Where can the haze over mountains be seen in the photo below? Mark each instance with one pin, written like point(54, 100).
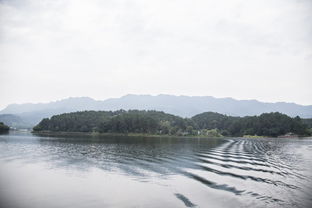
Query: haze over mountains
point(28, 115)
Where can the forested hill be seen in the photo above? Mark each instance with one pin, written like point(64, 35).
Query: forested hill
point(156, 122)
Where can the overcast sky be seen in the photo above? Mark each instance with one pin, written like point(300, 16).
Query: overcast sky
point(259, 49)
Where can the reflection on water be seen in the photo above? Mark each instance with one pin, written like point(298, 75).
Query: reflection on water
point(154, 172)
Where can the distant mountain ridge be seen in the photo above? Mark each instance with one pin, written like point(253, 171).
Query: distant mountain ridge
point(185, 106)
point(14, 121)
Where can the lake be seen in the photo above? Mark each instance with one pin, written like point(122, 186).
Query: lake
point(112, 171)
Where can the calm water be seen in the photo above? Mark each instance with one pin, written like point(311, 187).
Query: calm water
point(37, 172)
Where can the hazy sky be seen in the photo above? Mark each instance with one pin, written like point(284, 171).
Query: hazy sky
point(252, 49)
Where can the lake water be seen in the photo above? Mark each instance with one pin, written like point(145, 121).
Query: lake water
point(56, 172)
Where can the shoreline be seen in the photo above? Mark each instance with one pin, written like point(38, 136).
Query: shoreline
point(97, 134)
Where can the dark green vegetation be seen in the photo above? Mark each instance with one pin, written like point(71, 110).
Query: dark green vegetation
point(3, 127)
point(160, 123)
point(308, 123)
point(132, 121)
point(267, 124)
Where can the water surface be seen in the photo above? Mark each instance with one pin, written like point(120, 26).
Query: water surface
point(153, 172)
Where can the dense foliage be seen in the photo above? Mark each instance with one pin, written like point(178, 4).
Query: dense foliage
point(308, 122)
point(132, 121)
point(211, 120)
point(267, 124)
point(155, 122)
point(3, 127)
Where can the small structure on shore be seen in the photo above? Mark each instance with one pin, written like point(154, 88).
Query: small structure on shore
point(289, 135)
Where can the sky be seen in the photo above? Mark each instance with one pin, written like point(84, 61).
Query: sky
point(251, 49)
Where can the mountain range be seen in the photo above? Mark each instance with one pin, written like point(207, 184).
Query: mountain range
point(29, 114)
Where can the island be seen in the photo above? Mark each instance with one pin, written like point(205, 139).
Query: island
point(150, 122)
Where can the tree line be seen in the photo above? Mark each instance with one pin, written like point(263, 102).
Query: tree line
point(157, 122)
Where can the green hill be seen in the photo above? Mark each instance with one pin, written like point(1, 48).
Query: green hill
point(157, 122)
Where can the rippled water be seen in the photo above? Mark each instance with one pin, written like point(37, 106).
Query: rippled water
point(154, 172)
